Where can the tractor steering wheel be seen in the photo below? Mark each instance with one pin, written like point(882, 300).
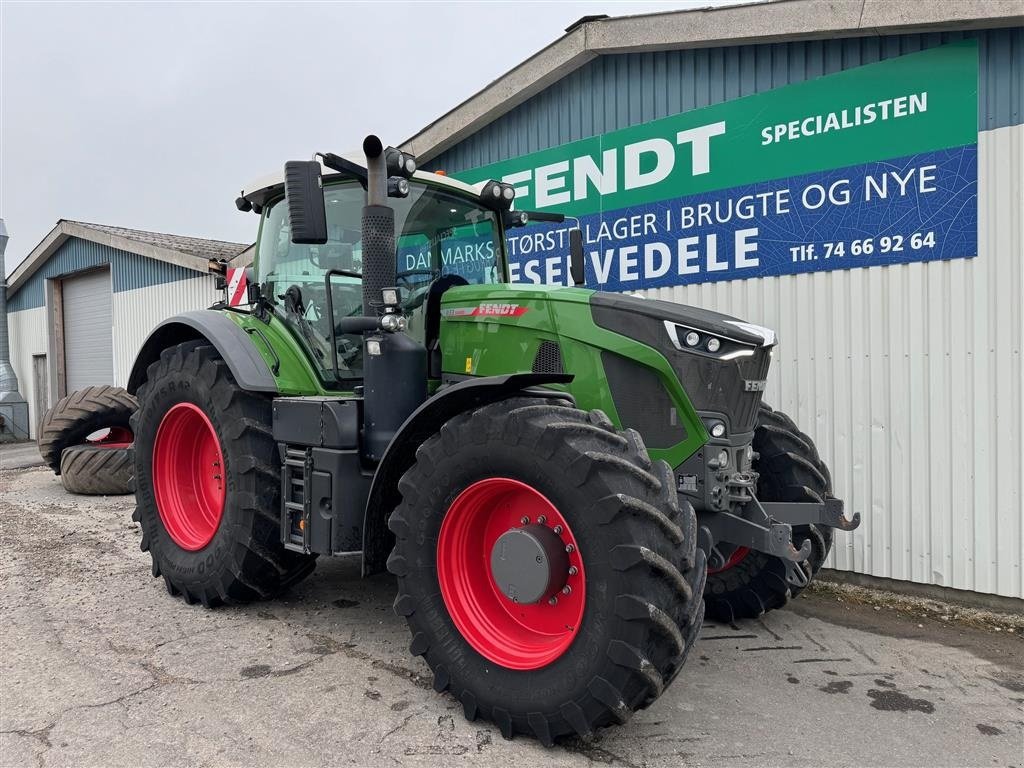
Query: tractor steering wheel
point(404, 276)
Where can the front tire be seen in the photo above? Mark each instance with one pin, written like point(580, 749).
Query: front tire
point(790, 469)
point(207, 483)
point(598, 652)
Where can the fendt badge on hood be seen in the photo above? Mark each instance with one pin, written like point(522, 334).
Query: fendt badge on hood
point(489, 310)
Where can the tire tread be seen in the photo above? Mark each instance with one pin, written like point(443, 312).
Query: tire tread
point(662, 564)
point(790, 470)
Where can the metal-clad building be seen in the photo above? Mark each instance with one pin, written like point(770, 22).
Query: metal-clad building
point(85, 299)
point(907, 375)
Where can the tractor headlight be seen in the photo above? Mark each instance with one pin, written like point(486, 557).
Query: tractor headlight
point(714, 344)
point(392, 322)
point(718, 429)
point(692, 339)
point(399, 163)
point(517, 219)
point(497, 195)
point(723, 458)
point(398, 187)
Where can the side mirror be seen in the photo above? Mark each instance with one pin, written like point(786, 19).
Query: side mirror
point(303, 191)
point(577, 267)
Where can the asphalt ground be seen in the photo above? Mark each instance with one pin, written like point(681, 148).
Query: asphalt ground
point(99, 666)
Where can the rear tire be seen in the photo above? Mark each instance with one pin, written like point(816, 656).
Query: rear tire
point(81, 413)
point(642, 573)
point(230, 551)
point(790, 470)
point(97, 470)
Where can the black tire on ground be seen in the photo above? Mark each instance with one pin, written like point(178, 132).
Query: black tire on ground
point(78, 415)
point(244, 560)
point(97, 470)
point(790, 470)
point(644, 574)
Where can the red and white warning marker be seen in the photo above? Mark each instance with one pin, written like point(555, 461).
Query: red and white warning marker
point(237, 287)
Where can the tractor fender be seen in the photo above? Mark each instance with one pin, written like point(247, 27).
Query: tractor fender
point(231, 342)
point(424, 422)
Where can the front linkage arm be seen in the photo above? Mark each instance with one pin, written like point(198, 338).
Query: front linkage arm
point(831, 513)
point(768, 527)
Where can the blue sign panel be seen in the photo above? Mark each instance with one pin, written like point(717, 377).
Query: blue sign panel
point(917, 208)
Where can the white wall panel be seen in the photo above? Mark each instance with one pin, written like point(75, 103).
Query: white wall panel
point(138, 312)
point(908, 377)
point(27, 330)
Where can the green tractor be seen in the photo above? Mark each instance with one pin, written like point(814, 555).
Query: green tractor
point(560, 479)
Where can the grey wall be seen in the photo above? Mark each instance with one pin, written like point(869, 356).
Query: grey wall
point(129, 271)
point(614, 92)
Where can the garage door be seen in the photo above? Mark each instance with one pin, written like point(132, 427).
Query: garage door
point(88, 330)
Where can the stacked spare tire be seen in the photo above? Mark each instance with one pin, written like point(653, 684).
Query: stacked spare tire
point(86, 438)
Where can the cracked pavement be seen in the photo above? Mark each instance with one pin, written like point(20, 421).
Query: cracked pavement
point(100, 666)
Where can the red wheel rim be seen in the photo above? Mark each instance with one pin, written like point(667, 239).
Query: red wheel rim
point(514, 635)
point(188, 476)
point(114, 437)
point(734, 559)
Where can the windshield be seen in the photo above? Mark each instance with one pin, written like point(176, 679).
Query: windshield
point(437, 233)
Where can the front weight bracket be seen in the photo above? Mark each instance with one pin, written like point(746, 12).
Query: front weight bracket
point(830, 513)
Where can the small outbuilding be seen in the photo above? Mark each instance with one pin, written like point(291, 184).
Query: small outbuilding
point(84, 300)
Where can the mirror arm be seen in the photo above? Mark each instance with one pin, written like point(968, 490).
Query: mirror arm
point(343, 165)
point(554, 218)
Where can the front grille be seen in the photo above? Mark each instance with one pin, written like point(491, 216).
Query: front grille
point(642, 402)
point(717, 385)
point(711, 384)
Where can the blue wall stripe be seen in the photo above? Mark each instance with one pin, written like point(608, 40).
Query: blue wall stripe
point(620, 90)
point(128, 271)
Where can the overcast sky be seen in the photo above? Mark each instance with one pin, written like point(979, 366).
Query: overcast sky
point(153, 115)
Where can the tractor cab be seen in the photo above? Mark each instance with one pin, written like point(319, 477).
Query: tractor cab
point(445, 235)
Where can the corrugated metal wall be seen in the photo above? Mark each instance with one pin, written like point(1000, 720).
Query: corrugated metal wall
point(908, 376)
point(138, 312)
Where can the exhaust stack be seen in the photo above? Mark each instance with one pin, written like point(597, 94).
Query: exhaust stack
point(394, 364)
point(378, 230)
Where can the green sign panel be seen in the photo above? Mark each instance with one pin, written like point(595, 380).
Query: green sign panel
point(806, 177)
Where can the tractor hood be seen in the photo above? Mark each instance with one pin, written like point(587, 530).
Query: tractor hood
point(721, 362)
point(687, 318)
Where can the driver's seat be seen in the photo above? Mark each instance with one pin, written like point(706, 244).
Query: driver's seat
point(432, 321)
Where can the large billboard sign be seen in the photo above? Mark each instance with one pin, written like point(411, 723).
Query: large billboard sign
point(871, 166)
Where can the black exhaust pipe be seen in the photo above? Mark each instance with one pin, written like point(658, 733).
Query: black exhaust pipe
point(378, 230)
point(394, 365)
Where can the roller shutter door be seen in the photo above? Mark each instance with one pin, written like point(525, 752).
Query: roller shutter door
point(88, 330)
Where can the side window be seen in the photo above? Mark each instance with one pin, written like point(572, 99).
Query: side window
point(438, 234)
point(415, 260)
point(469, 251)
point(295, 276)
